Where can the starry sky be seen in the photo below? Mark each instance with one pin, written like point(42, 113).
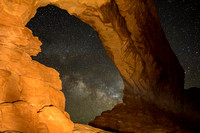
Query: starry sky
point(180, 20)
point(91, 82)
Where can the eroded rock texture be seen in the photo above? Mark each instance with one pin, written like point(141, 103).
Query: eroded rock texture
point(31, 100)
point(80, 128)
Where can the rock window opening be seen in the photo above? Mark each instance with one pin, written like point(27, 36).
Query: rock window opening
point(90, 81)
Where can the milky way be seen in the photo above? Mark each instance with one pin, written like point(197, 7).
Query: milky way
point(91, 82)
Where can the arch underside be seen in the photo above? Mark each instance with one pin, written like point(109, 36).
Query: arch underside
point(130, 32)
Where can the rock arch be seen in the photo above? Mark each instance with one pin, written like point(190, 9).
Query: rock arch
point(133, 38)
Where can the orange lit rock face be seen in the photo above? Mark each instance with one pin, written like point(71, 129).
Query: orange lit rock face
point(30, 96)
point(80, 128)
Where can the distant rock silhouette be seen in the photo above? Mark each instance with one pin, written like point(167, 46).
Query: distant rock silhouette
point(191, 113)
point(192, 98)
point(192, 102)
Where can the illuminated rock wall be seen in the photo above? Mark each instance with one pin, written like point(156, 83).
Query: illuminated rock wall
point(31, 99)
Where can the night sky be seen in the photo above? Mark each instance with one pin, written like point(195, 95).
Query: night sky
point(180, 20)
point(91, 82)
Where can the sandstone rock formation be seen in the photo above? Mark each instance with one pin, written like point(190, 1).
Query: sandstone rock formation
point(80, 128)
point(31, 99)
